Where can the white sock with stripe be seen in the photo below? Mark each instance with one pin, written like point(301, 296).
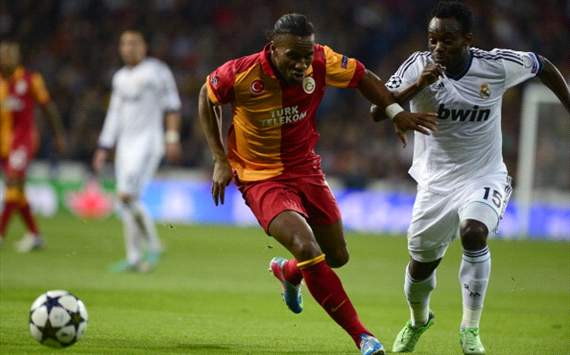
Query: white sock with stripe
point(474, 278)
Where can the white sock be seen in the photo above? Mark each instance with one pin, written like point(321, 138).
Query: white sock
point(147, 227)
point(133, 242)
point(474, 278)
point(418, 295)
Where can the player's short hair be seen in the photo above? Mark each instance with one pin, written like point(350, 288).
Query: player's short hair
point(292, 24)
point(457, 10)
point(137, 31)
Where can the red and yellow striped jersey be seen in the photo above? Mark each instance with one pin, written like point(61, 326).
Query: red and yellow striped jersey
point(18, 95)
point(274, 125)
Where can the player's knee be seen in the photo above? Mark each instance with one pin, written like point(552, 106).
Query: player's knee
point(338, 258)
point(420, 271)
point(473, 234)
point(304, 246)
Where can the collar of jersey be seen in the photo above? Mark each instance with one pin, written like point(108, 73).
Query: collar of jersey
point(467, 67)
point(264, 58)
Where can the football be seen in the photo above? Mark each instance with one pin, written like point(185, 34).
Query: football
point(58, 319)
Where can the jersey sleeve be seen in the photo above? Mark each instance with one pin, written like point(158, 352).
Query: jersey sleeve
point(342, 71)
point(407, 74)
point(170, 97)
point(519, 66)
point(110, 131)
point(39, 90)
point(220, 83)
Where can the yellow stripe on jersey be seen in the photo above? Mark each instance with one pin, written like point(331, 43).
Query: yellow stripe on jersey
point(5, 120)
point(39, 89)
point(213, 98)
point(340, 68)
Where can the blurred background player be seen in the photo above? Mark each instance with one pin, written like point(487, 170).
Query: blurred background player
point(275, 94)
point(20, 90)
point(144, 94)
point(463, 185)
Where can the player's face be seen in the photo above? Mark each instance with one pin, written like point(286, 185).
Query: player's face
point(132, 48)
point(9, 57)
point(447, 42)
point(292, 56)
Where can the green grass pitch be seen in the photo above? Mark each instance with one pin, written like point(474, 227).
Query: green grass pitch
point(212, 294)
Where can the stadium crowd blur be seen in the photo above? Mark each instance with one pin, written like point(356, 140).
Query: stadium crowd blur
point(73, 43)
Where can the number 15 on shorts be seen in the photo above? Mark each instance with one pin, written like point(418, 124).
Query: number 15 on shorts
point(494, 196)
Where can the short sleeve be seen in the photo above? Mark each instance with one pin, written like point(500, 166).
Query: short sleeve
point(170, 98)
point(39, 90)
point(407, 74)
point(220, 83)
point(342, 71)
point(519, 66)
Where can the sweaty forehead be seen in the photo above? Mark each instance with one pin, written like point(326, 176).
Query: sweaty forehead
point(296, 43)
point(444, 26)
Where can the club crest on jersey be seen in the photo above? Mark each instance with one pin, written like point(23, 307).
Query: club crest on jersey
point(256, 87)
point(309, 85)
point(485, 91)
point(21, 87)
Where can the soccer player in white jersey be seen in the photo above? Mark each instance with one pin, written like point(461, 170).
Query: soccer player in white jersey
point(144, 96)
point(463, 185)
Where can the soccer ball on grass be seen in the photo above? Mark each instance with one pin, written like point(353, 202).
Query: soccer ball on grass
point(57, 319)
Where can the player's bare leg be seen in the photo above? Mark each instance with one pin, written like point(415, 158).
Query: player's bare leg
point(332, 242)
point(474, 277)
point(291, 230)
point(420, 281)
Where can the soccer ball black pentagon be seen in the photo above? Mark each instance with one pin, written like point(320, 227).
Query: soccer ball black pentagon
point(58, 319)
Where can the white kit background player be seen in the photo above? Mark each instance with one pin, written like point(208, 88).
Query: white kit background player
point(144, 99)
point(463, 186)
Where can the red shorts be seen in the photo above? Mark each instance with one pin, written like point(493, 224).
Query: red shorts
point(17, 161)
point(308, 195)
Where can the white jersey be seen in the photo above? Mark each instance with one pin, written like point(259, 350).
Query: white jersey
point(468, 143)
point(141, 95)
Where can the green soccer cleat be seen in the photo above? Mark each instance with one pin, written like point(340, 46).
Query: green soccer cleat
point(471, 342)
point(408, 337)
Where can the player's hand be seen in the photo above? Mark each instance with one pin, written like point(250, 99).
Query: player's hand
point(430, 74)
point(377, 114)
point(99, 159)
point(221, 178)
point(173, 152)
point(421, 122)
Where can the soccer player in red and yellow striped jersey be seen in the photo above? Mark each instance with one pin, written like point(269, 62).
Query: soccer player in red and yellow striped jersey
point(20, 90)
point(274, 95)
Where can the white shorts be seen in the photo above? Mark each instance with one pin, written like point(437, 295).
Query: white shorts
point(436, 217)
point(135, 170)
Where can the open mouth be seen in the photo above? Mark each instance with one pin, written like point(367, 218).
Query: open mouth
point(297, 75)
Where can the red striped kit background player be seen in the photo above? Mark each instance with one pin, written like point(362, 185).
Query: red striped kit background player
point(20, 90)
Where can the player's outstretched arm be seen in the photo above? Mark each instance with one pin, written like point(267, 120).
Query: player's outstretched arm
point(553, 79)
point(210, 117)
point(429, 75)
point(372, 87)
